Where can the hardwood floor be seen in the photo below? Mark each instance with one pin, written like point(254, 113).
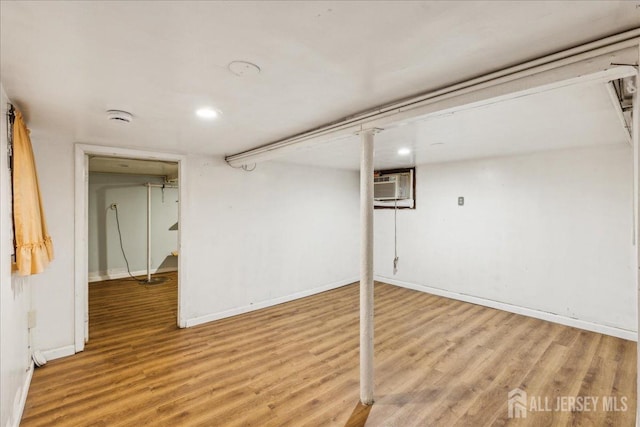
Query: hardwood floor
point(438, 362)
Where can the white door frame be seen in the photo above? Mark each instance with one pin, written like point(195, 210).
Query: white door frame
point(81, 276)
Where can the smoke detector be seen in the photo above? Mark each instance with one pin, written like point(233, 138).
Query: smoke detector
point(119, 116)
point(243, 68)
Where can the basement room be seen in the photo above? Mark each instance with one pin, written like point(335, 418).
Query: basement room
point(319, 213)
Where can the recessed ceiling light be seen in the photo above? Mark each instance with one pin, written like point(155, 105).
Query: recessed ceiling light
point(436, 143)
point(207, 113)
point(404, 151)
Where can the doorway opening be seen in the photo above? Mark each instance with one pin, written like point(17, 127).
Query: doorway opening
point(128, 227)
point(133, 219)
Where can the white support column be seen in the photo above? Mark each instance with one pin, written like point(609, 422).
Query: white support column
point(148, 233)
point(366, 268)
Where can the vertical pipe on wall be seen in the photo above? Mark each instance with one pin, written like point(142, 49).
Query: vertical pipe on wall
point(635, 136)
point(366, 268)
point(148, 232)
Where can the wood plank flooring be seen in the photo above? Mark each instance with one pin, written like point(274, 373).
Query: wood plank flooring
point(438, 362)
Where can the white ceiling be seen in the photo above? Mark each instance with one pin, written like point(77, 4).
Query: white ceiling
point(574, 116)
point(65, 62)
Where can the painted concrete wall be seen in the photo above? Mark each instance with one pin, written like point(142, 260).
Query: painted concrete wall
point(550, 232)
point(127, 191)
point(249, 238)
point(15, 300)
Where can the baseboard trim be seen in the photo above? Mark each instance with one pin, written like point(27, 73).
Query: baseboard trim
point(268, 303)
point(93, 277)
point(23, 397)
point(57, 353)
point(543, 315)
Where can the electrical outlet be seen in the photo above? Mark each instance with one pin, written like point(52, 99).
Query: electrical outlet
point(114, 206)
point(460, 201)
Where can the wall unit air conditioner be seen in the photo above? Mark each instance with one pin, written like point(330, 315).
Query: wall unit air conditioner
point(397, 186)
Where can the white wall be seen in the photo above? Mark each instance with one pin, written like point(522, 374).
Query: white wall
point(105, 256)
point(15, 299)
point(551, 232)
point(278, 231)
point(248, 238)
point(53, 290)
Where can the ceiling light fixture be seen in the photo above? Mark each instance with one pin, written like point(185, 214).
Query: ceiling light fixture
point(404, 151)
point(207, 113)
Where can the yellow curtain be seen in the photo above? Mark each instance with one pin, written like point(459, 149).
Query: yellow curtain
point(34, 248)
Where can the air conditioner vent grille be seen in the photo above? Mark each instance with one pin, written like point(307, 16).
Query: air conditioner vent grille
point(397, 186)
